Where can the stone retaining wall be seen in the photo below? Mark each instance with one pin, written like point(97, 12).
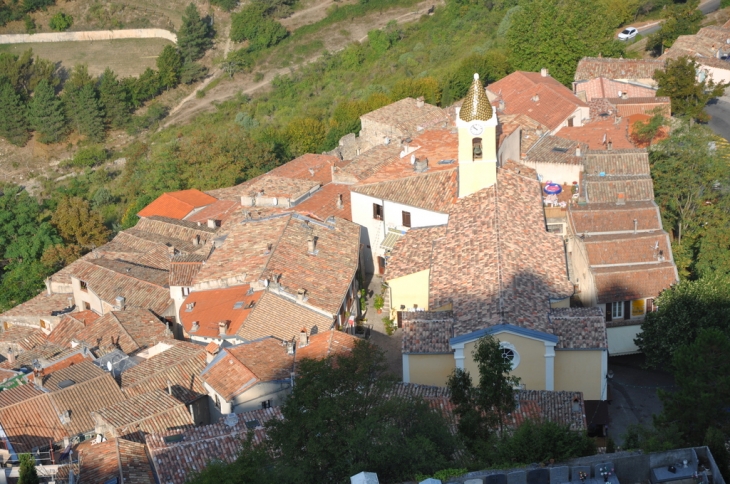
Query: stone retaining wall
point(89, 36)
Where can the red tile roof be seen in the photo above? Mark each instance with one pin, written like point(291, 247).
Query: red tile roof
point(325, 344)
point(614, 249)
point(628, 282)
point(41, 305)
point(18, 394)
point(405, 117)
point(308, 167)
point(79, 372)
point(593, 134)
point(600, 87)
point(219, 210)
point(325, 203)
point(609, 217)
point(237, 369)
point(22, 338)
point(231, 305)
point(131, 331)
point(177, 204)
point(118, 459)
point(593, 67)
point(412, 254)
point(541, 98)
point(435, 191)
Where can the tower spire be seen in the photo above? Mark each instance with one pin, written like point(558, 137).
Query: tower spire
point(476, 106)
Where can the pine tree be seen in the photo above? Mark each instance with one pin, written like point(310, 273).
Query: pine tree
point(169, 64)
point(46, 114)
point(13, 120)
point(89, 116)
point(114, 100)
point(27, 471)
point(193, 38)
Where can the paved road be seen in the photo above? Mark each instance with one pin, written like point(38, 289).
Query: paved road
point(706, 7)
point(719, 109)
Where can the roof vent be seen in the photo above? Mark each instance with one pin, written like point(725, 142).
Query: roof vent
point(445, 162)
point(66, 383)
point(302, 295)
point(189, 307)
point(196, 326)
point(560, 150)
point(312, 245)
point(535, 98)
point(621, 199)
point(421, 165)
point(252, 424)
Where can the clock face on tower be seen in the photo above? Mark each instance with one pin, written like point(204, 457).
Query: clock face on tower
point(476, 129)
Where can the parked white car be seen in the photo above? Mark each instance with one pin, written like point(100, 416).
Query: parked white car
point(628, 33)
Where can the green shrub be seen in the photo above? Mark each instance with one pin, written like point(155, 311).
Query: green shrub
point(61, 22)
point(90, 156)
point(30, 26)
point(253, 25)
point(390, 327)
point(378, 301)
point(226, 5)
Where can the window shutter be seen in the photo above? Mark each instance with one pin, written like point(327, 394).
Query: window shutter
point(608, 312)
point(400, 319)
point(627, 309)
point(650, 305)
point(375, 210)
point(406, 219)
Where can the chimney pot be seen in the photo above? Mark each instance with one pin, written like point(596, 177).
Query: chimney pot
point(544, 72)
point(11, 356)
point(577, 151)
point(212, 223)
point(303, 339)
point(340, 203)
point(420, 165)
point(222, 327)
point(301, 293)
point(196, 240)
point(420, 102)
point(311, 244)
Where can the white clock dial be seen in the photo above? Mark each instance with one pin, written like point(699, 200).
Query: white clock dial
point(475, 129)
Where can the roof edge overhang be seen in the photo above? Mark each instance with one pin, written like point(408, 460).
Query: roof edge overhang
point(504, 328)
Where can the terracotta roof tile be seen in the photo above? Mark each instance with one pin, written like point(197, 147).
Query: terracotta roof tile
point(117, 459)
point(78, 373)
point(281, 317)
point(65, 331)
point(592, 135)
point(555, 149)
point(22, 338)
point(18, 394)
point(366, 164)
point(427, 331)
point(600, 87)
point(412, 254)
point(541, 98)
point(184, 268)
point(177, 204)
point(624, 283)
point(609, 217)
point(627, 248)
point(531, 130)
point(43, 352)
point(593, 67)
point(607, 189)
point(148, 413)
point(324, 203)
point(405, 118)
point(180, 364)
point(31, 423)
point(238, 368)
point(579, 328)
point(308, 167)
point(435, 191)
point(230, 305)
point(175, 461)
point(325, 344)
point(219, 210)
point(41, 305)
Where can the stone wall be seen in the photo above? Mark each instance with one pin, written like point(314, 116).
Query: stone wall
point(89, 36)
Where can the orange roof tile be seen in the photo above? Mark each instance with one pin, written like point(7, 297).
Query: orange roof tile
point(327, 343)
point(218, 210)
point(308, 167)
point(324, 203)
point(177, 204)
point(594, 134)
point(231, 305)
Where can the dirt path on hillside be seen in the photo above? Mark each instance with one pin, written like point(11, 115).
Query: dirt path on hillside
point(334, 38)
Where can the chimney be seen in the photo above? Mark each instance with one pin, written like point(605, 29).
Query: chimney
point(48, 286)
point(625, 95)
point(340, 203)
point(311, 171)
point(621, 199)
point(420, 102)
point(196, 327)
point(636, 225)
point(222, 327)
point(544, 72)
point(301, 294)
point(11, 356)
point(303, 339)
point(192, 414)
point(311, 244)
point(420, 165)
point(501, 105)
point(577, 151)
point(196, 240)
point(169, 387)
point(212, 223)
point(609, 145)
point(535, 98)
point(121, 303)
point(210, 355)
point(171, 250)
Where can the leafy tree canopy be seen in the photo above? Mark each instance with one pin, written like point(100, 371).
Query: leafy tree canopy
point(78, 224)
point(689, 95)
point(679, 19)
point(61, 22)
point(193, 38)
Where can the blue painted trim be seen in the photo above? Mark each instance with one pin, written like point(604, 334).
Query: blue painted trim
point(499, 328)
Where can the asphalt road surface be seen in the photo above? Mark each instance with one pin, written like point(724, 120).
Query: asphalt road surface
point(719, 109)
point(707, 7)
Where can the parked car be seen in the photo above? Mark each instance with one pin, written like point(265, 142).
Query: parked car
point(628, 33)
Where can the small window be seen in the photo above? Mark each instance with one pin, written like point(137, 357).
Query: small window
point(87, 306)
point(555, 228)
point(617, 310)
point(185, 291)
point(406, 219)
point(510, 354)
point(650, 307)
point(377, 211)
point(84, 287)
point(476, 148)
point(266, 404)
point(217, 402)
point(570, 122)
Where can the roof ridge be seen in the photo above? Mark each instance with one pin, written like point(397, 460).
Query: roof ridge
point(121, 325)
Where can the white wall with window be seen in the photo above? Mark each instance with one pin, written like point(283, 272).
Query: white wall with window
point(378, 215)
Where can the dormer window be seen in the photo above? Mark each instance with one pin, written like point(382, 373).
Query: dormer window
point(476, 148)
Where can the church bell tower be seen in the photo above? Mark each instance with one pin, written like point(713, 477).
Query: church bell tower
point(477, 126)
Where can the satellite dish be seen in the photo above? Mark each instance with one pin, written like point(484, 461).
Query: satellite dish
point(109, 365)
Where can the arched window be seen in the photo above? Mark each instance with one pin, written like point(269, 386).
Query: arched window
point(509, 353)
point(476, 148)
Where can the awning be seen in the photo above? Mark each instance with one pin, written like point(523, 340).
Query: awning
point(391, 238)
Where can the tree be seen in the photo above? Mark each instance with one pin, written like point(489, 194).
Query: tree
point(192, 72)
point(78, 224)
point(193, 38)
point(305, 135)
point(89, 118)
point(702, 374)
point(343, 417)
point(24, 72)
point(428, 87)
point(540, 442)
point(226, 5)
point(27, 471)
point(169, 65)
point(13, 120)
point(252, 24)
point(558, 33)
point(679, 19)
point(61, 22)
point(114, 100)
point(46, 114)
point(689, 95)
point(683, 311)
point(482, 408)
point(643, 133)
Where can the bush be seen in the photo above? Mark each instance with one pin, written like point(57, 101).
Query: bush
point(542, 441)
point(252, 24)
point(30, 26)
point(61, 22)
point(390, 326)
point(226, 5)
point(154, 114)
point(89, 157)
point(378, 301)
